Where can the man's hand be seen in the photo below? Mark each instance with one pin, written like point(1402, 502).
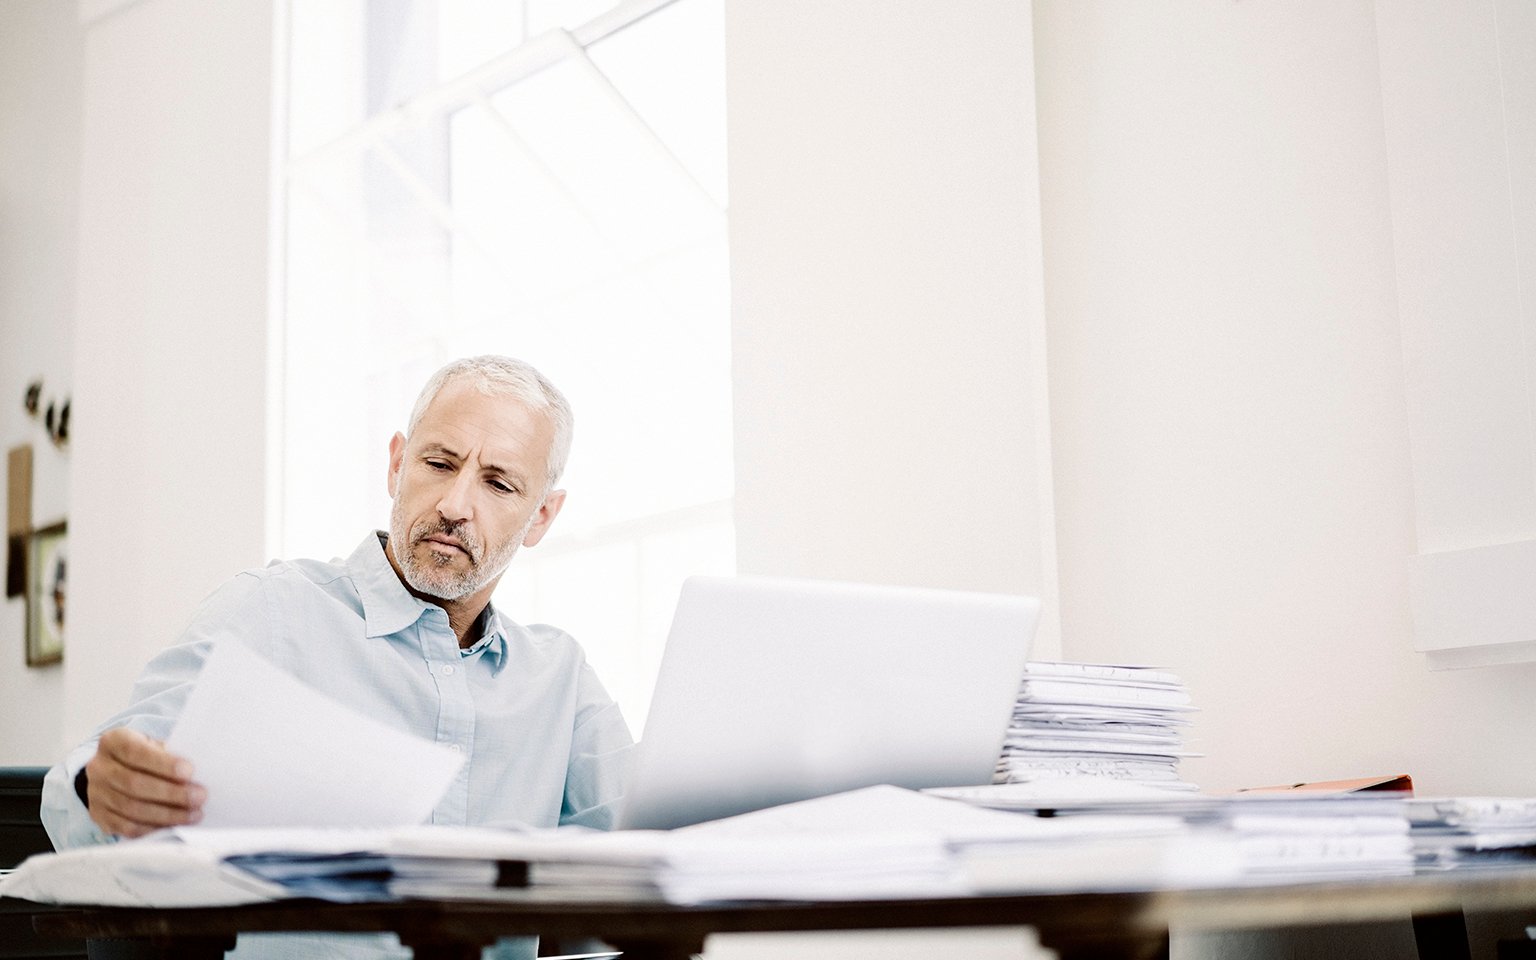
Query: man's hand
point(135, 785)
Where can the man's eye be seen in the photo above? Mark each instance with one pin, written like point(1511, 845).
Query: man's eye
point(439, 465)
point(502, 487)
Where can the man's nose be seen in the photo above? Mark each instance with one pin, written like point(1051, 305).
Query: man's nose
point(457, 502)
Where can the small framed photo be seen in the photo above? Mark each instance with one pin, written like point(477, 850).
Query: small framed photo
point(47, 564)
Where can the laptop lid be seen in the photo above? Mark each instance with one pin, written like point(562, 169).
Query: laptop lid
point(776, 690)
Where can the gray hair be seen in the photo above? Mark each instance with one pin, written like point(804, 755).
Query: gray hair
point(504, 376)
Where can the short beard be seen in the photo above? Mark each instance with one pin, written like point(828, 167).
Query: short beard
point(434, 578)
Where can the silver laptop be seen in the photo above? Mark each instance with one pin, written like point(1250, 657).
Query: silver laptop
point(776, 690)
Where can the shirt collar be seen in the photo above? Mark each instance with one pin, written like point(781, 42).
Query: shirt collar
point(493, 638)
point(388, 607)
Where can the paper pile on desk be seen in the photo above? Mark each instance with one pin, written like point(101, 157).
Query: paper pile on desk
point(136, 874)
point(875, 843)
point(950, 835)
point(1074, 796)
point(1097, 720)
point(1258, 837)
point(213, 866)
point(1473, 832)
point(1299, 837)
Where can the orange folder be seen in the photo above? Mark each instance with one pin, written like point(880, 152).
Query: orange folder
point(1398, 783)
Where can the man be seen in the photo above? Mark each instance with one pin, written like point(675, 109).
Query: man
point(402, 630)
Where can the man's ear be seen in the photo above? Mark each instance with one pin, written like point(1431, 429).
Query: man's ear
point(396, 459)
point(547, 512)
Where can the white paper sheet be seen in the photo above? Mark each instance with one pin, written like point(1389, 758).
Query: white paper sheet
point(272, 751)
point(136, 874)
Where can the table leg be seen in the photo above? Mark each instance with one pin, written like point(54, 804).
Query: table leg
point(1442, 936)
point(442, 949)
point(657, 949)
point(194, 948)
point(1108, 946)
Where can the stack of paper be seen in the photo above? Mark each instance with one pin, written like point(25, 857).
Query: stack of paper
point(1247, 837)
point(218, 866)
point(1076, 796)
point(621, 863)
point(874, 843)
point(1097, 720)
point(362, 877)
point(1332, 836)
point(1462, 832)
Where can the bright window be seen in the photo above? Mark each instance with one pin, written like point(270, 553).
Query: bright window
point(542, 179)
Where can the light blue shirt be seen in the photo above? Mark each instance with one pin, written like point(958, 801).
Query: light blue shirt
point(544, 744)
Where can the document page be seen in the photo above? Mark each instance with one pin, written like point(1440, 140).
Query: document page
point(274, 752)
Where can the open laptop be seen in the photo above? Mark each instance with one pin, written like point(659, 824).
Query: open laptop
point(775, 690)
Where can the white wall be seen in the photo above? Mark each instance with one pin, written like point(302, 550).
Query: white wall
point(887, 333)
point(1233, 488)
point(170, 362)
point(1459, 101)
point(40, 65)
point(134, 183)
point(1231, 492)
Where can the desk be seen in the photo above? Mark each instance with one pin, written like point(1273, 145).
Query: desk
point(1080, 926)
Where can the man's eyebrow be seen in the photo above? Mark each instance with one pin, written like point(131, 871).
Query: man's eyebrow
point(512, 474)
point(515, 476)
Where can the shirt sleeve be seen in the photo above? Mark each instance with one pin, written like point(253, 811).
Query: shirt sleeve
point(601, 749)
point(159, 695)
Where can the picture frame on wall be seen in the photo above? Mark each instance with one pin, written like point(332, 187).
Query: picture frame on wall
point(47, 566)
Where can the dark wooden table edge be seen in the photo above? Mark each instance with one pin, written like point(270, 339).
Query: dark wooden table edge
point(1062, 919)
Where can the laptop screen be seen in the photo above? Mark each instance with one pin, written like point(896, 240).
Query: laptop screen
point(776, 690)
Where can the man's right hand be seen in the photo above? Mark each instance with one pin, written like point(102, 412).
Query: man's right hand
point(135, 785)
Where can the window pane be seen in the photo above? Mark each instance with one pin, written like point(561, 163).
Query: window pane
point(574, 218)
point(327, 70)
point(607, 158)
point(551, 14)
point(682, 99)
point(470, 32)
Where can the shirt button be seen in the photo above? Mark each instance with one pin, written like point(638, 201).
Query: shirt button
point(447, 669)
point(455, 748)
